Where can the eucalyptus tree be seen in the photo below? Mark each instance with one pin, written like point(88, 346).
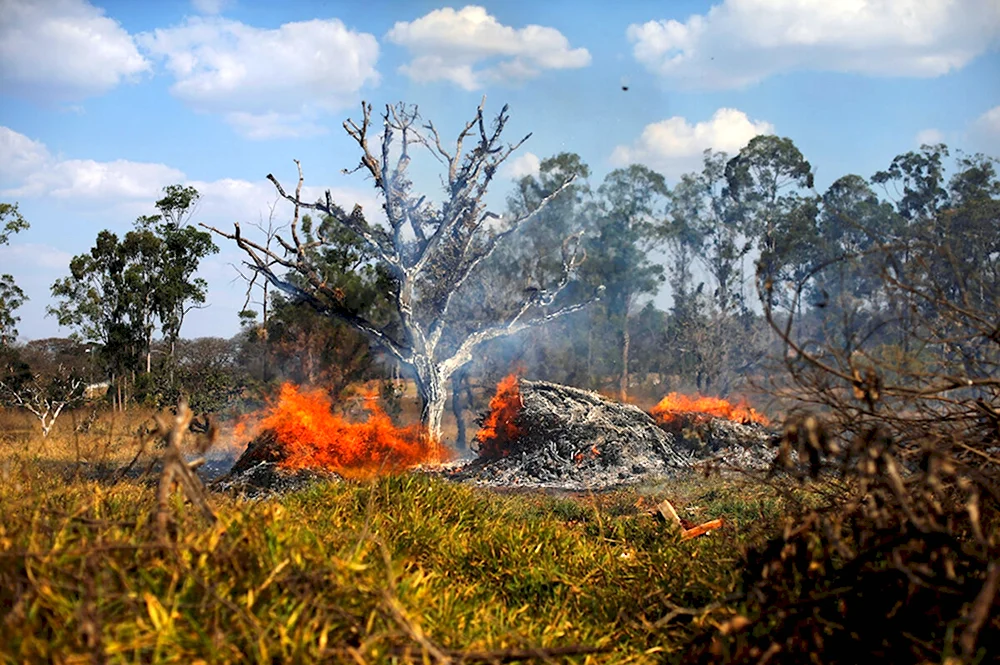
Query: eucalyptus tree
point(630, 209)
point(181, 247)
point(11, 295)
point(117, 292)
point(430, 251)
point(704, 212)
point(770, 183)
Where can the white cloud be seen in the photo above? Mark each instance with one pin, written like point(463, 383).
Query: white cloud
point(34, 255)
point(19, 155)
point(274, 125)
point(741, 42)
point(929, 136)
point(130, 188)
point(526, 164)
point(211, 6)
point(674, 146)
point(29, 170)
point(63, 50)
point(267, 82)
point(448, 45)
point(984, 134)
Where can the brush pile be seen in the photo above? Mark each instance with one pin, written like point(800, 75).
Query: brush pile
point(542, 434)
point(259, 472)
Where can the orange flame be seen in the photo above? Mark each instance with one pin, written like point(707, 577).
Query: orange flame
point(314, 437)
point(499, 428)
point(676, 405)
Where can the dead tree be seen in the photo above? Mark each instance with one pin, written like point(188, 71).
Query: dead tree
point(45, 397)
point(430, 250)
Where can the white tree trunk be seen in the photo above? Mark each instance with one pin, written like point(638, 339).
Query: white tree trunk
point(433, 398)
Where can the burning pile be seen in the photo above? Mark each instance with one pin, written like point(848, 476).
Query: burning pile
point(677, 407)
point(712, 426)
point(299, 436)
point(544, 434)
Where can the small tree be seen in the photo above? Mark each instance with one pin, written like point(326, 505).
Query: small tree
point(43, 395)
point(429, 251)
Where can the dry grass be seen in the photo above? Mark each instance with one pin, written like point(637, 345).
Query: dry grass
point(400, 568)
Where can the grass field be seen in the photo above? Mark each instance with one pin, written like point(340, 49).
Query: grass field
point(395, 569)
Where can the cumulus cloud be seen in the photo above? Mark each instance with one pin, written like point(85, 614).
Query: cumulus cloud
point(929, 136)
point(88, 179)
point(19, 155)
point(674, 146)
point(740, 42)
point(63, 50)
point(268, 83)
point(526, 164)
point(28, 170)
point(470, 48)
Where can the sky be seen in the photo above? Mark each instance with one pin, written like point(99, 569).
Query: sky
point(103, 104)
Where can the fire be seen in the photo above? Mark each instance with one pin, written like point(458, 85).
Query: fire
point(314, 437)
point(499, 428)
point(675, 405)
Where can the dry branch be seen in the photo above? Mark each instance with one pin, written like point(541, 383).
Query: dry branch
point(170, 429)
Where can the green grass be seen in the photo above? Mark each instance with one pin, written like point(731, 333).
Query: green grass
point(360, 571)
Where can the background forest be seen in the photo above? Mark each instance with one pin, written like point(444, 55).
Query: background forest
point(745, 236)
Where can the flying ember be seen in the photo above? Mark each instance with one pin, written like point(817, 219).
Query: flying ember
point(675, 405)
point(314, 437)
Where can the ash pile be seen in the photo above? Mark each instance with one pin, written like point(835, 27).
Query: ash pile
point(540, 434)
point(732, 444)
point(258, 472)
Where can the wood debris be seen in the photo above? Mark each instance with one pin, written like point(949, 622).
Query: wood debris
point(666, 511)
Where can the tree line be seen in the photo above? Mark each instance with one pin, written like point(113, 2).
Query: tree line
point(560, 282)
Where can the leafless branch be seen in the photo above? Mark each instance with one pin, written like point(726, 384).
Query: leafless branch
point(170, 430)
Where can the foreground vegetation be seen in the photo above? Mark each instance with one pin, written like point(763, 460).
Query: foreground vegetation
point(397, 567)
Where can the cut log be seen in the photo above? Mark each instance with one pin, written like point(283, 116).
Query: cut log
point(666, 511)
point(701, 529)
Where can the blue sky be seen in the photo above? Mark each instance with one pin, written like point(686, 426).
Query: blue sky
point(102, 104)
